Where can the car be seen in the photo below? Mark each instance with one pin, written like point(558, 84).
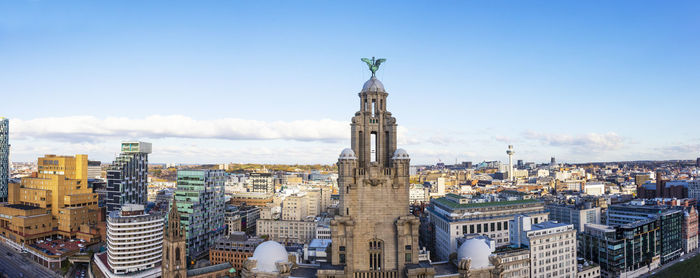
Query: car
point(9, 254)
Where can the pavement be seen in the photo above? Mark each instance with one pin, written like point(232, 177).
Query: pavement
point(17, 265)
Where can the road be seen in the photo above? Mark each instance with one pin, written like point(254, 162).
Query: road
point(17, 265)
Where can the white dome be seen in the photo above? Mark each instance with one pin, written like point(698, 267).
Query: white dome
point(373, 85)
point(347, 154)
point(268, 254)
point(478, 250)
point(400, 154)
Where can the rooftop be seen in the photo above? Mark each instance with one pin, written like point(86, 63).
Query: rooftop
point(58, 246)
point(453, 205)
point(209, 269)
point(22, 207)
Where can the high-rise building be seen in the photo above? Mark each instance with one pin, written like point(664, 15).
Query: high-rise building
point(373, 237)
point(200, 202)
point(552, 161)
point(552, 246)
point(127, 177)
point(134, 243)
point(4, 157)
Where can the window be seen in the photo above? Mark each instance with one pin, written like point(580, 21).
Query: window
point(408, 257)
point(376, 251)
point(373, 147)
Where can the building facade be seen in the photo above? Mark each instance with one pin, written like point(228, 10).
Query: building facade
point(234, 248)
point(4, 157)
point(127, 177)
point(200, 196)
point(577, 215)
point(261, 182)
point(671, 220)
point(454, 216)
point(58, 200)
point(372, 236)
point(552, 246)
point(134, 241)
point(627, 250)
point(287, 231)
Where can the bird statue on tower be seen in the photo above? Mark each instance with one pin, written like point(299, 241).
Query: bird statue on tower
point(373, 64)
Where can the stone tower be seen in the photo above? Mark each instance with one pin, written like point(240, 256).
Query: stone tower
point(174, 246)
point(374, 235)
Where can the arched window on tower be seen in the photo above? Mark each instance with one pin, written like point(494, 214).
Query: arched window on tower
point(376, 253)
point(177, 255)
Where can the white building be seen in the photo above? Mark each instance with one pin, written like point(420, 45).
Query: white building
point(593, 188)
point(418, 194)
point(134, 243)
point(552, 246)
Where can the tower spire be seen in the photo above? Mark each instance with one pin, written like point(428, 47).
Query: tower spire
point(174, 230)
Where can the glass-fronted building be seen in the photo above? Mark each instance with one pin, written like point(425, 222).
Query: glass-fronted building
point(200, 202)
point(127, 177)
point(626, 250)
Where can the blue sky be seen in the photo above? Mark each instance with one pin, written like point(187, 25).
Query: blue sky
point(277, 81)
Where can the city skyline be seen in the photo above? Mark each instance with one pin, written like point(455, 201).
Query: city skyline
point(211, 84)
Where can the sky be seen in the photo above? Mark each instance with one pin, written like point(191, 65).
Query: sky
point(277, 81)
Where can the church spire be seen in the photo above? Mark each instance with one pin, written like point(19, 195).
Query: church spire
point(174, 231)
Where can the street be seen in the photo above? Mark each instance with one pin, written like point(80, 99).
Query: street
point(16, 265)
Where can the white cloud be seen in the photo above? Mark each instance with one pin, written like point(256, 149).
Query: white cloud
point(591, 142)
point(93, 129)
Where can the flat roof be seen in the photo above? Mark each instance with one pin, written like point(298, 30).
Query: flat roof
point(22, 207)
point(454, 205)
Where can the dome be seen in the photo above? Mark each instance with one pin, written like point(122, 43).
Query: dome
point(347, 154)
point(268, 254)
point(373, 85)
point(478, 250)
point(400, 154)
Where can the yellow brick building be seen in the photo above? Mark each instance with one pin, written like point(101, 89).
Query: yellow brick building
point(55, 201)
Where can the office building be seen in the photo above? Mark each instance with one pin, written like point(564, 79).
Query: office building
point(127, 177)
point(287, 231)
point(627, 250)
point(455, 215)
point(234, 248)
point(4, 157)
point(200, 203)
point(578, 215)
point(134, 243)
point(552, 246)
point(262, 183)
point(671, 222)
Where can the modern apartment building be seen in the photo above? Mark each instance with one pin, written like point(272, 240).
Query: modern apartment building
point(454, 216)
point(127, 177)
point(4, 157)
point(552, 246)
point(200, 203)
point(134, 242)
point(579, 215)
point(671, 222)
point(627, 250)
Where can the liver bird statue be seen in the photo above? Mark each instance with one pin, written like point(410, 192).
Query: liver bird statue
point(373, 64)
